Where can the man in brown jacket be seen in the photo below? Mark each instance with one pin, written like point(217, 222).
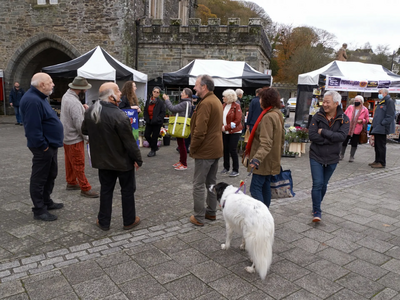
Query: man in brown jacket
point(206, 148)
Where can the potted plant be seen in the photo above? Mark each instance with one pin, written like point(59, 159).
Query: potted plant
point(295, 139)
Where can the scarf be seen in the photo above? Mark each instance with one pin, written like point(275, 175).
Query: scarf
point(153, 100)
point(253, 132)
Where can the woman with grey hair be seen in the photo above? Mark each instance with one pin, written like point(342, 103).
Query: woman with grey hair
point(359, 116)
point(328, 129)
point(231, 131)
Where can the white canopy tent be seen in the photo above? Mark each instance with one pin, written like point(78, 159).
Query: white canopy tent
point(343, 76)
point(97, 66)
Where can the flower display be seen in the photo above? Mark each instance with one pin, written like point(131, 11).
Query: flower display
point(296, 135)
point(163, 131)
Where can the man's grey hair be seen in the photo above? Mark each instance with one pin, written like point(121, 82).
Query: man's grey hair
point(335, 96)
point(385, 91)
point(230, 96)
point(239, 92)
point(96, 110)
point(359, 97)
point(35, 83)
point(207, 81)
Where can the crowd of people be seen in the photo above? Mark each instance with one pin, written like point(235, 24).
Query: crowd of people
point(215, 131)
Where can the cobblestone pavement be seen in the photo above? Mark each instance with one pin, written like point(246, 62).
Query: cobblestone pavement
point(354, 253)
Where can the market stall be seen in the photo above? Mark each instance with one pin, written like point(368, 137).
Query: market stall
point(97, 66)
point(348, 78)
point(226, 74)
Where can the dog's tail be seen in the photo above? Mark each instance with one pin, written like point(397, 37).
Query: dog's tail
point(259, 246)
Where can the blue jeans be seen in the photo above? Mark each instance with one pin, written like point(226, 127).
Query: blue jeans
point(260, 188)
point(320, 177)
point(17, 114)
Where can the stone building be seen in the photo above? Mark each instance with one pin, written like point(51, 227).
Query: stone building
point(152, 36)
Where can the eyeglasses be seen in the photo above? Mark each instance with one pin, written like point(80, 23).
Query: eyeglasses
point(157, 92)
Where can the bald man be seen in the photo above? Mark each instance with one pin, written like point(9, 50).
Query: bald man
point(116, 155)
point(44, 133)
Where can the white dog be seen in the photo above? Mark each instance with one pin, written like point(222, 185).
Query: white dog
point(251, 219)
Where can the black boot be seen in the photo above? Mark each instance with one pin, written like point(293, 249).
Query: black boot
point(352, 152)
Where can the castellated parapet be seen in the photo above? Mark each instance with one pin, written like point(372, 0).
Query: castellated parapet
point(167, 48)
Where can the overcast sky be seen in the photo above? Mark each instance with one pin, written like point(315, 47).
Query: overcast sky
point(354, 22)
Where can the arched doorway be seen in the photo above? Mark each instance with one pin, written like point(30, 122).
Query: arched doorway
point(43, 50)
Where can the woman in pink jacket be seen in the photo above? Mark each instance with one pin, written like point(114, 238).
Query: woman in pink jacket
point(359, 116)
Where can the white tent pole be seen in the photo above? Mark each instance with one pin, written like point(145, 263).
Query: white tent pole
point(4, 97)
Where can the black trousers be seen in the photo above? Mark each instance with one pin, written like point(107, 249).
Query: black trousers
point(380, 148)
point(108, 178)
point(354, 140)
point(44, 172)
point(151, 134)
point(230, 150)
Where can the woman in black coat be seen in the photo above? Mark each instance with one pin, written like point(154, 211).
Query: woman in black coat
point(154, 113)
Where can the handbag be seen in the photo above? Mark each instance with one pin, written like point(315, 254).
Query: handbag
point(363, 136)
point(282, 185)
point(180, 126)
point(247, 135)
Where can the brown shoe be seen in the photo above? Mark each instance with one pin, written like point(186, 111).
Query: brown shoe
point(102, 227)
point(194, 221)
point(373, 163)
point(378, 165)
point(209, 217)
point(72, 187)
point(134, 224)
point(89, 194)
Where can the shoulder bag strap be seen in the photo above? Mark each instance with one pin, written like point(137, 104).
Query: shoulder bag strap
point(186, 117)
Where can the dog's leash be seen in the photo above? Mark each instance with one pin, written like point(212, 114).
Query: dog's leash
point(243, 183)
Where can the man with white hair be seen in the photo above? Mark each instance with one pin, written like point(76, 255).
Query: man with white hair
point(382, 124)
point(44, 133)
point(115, 153)
point(239, 94)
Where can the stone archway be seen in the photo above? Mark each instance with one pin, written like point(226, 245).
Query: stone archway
point(42, 50)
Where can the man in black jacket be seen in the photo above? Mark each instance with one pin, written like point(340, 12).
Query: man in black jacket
point(114, 152)
point(15, 97)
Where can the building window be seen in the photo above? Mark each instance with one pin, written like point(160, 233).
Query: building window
point(41, 2)
point(183, 11)
point(156, 9)
point(53, 1)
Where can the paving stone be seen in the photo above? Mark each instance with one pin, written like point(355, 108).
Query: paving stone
point(188, 257)
point(377, 245)
point(299, 256)
point(309, 245)
point(302, 294)
point(344, 245)
point(113, 259)
point(10, 288)
point(360, 285)
point(280, 246)
point(55, 286)
point(101, 242)
point(338, 257)
point(206, 246)
point(209, 271)
point(318, 235)
point(371, 256)
point(4, 273)
point(188, 287)
point(32, 259)
point(124, 272)
point(142, 288)
point(96, 288)
point(327, 269)
point(232, 287)
point(276, 286)
point(151, 257)
point(257, 295)
point(164, 296)
point(82, 271)
point(171, 245)
point(392, 265)
point(79, 247)
point(288, 270)
point(394, 252)
point(365, 269)
point(318, 285)
point(386, 294)
point(287, 234)
point(9, 265)
point(40, 269)
point(57, 253)
point(345, 294)
point(118, 296)
point(378, 234)
point(66, 263)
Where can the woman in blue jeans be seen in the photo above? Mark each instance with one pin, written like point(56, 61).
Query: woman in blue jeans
point(265, 145)
point(328, 129)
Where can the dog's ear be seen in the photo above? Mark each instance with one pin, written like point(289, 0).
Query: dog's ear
point(219, 189)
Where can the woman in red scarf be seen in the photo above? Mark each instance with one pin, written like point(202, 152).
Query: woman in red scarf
point(265, 145)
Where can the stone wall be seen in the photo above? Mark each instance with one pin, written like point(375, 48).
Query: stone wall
point(169, 48)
